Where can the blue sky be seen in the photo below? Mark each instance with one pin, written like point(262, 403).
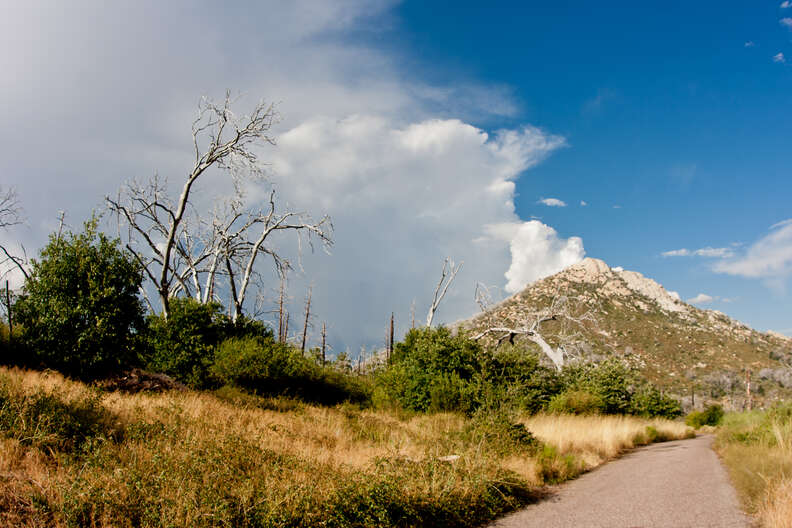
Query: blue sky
point(667, 112)
point(431, 130)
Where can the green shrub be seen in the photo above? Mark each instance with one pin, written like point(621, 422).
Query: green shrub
point(711, 415)
point(514, 376)
point(432, 370)
point(612, 381)
point(650, 402)
point(266, 367)
point(576, 402)
point(80, 312)
point(183, 345)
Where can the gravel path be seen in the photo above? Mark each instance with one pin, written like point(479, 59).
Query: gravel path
point(673, 484)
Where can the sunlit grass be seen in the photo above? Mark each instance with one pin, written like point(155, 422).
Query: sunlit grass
point(597, 439)
point(756, 447)
point(231, 459)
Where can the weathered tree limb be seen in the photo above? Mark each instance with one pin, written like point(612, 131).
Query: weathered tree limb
point(446, 278)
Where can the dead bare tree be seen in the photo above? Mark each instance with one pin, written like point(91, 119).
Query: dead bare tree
point(560, 310)
point(446, 278)
point(11, 215)
point(184, 251)
point(243, 247)
point(306, 322)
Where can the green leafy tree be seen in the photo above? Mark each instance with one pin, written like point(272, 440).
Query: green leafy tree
point(182, 345)
point(80, 309)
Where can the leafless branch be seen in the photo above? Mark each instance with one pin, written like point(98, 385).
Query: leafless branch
point(560, 309)
point(446, 278)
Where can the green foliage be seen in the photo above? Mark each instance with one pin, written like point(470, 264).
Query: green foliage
point(80, 310)
point(432, 370)
point(49, 421)
point(576, 402)
point(650, 402)
point(711, 415)
point(611, 381)
point(266, 367)
point(182, 345)
point(513, 375)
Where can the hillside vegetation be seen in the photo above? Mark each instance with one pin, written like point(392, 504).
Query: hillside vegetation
point(676, 346)
point(73, 456)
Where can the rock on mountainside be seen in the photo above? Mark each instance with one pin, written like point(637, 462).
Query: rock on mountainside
point(675, 345)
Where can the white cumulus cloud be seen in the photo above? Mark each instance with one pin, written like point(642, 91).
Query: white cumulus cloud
point(786, 21)
point(536, 251)
point(701, 298)
point(779, 57)
point(402, 198)
point(552, 202)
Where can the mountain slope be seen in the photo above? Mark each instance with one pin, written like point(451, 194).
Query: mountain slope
point(675, 345)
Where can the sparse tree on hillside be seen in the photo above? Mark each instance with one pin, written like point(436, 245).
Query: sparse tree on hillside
point(561, 309)
point(186, 252)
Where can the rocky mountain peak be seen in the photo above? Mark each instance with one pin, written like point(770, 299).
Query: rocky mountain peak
point(617, 282)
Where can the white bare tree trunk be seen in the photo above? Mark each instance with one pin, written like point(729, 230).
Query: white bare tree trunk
point(446, 278)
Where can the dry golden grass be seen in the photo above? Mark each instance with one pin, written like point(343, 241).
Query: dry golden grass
point(226, 458)
point(597, 439)
point(775, 511)
point(756, 447)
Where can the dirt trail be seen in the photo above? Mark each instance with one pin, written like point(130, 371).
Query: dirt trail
point(673, 484)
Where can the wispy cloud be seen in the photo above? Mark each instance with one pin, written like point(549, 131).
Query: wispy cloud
point(769, 258)
point(786, 21)
point(709, 252)
point(779, 57)
point(553, 202)
point(785, 4)
point(712, 252)
point(583, 203)
point(750, 44)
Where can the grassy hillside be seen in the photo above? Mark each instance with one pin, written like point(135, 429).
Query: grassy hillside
point(675, 345)
point(73, 456)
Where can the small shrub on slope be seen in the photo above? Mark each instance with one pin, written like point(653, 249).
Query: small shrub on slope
point(576, 402)
point(266, 367)
point(711, 415)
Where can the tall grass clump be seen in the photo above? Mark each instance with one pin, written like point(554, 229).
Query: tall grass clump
point(757, 448)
